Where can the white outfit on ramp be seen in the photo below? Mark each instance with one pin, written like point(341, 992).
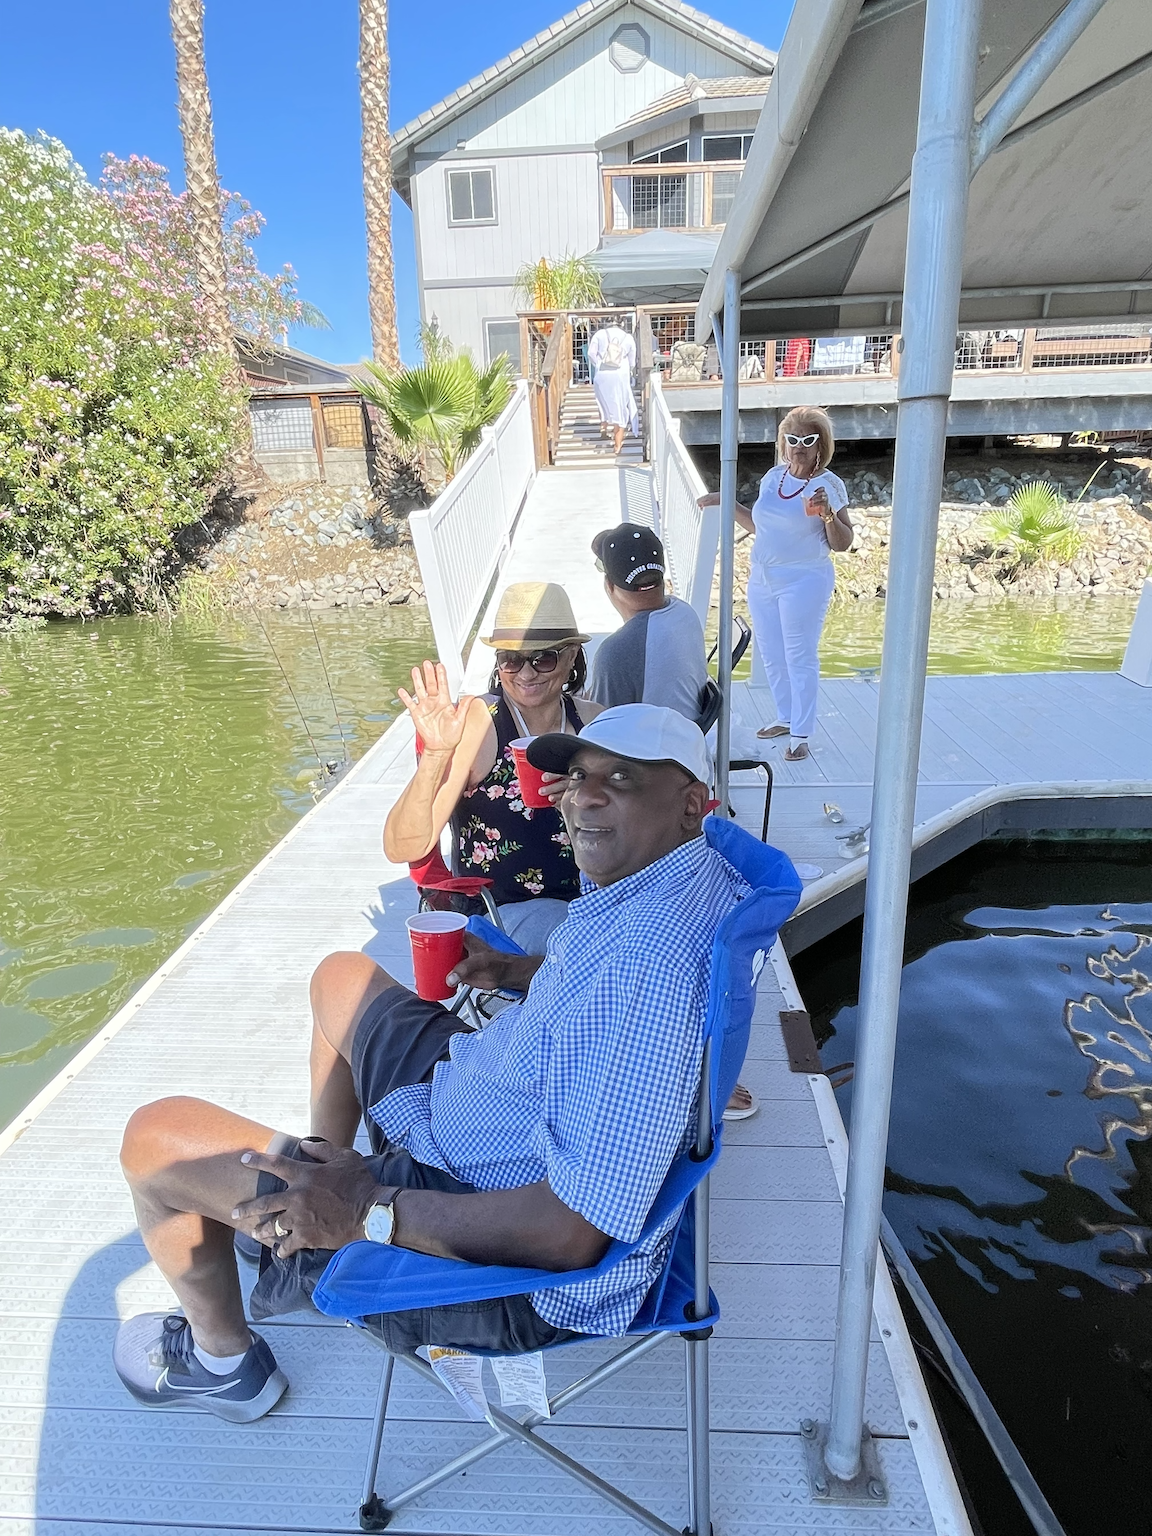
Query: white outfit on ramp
point(789, 588)
point(612, 353)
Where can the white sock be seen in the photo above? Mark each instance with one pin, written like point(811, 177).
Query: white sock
point(219, 1365)
point(797, 741)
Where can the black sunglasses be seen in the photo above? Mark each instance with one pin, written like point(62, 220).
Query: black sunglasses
point(539, 661)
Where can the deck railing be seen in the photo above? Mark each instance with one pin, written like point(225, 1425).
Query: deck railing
point(1035, 349)
point(683, 196)
point(461, 539)
point(690, 536)
point(546, 353)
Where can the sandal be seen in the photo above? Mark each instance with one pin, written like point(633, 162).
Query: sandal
point(736, 1111)
point(767, 731)
point(798, 753)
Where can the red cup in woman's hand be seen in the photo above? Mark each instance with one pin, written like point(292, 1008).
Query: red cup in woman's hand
point(530, 778)
point(816, 505)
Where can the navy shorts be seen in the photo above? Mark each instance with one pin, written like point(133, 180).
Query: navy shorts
point(398, 1042)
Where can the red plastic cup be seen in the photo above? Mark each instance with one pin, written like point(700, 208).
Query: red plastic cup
point(530, 778)
point(437, 940)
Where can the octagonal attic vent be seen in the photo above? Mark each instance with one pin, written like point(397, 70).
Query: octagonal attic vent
point(629, 48)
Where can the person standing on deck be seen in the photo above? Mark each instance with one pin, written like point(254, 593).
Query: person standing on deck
point(612, 354)
point(799, 517)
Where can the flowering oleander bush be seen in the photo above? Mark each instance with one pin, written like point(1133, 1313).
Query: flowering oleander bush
point(116, 420)
point(263, 305)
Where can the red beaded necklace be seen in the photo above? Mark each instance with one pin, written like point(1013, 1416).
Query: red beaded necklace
point(792, 495)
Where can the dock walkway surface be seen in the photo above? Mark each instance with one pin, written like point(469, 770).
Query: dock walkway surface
point(227, 1019)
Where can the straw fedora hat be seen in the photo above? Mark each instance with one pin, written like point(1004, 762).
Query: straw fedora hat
point(532, 616)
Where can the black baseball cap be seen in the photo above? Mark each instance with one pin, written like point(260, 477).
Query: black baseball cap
point(632, 556)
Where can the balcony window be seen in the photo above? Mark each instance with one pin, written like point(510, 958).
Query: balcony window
point(727, 146)
point(471, 197)
point(671, 154)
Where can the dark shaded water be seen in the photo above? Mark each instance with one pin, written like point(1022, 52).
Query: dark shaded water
point(144, 768)
point(1020, 1152)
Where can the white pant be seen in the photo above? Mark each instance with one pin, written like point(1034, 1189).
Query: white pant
point(787, 604)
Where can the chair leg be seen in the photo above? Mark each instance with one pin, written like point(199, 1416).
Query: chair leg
point(373, 1514)
point(492, 909)
point(700, 1475)
point(690, 1423)
point(767, 802)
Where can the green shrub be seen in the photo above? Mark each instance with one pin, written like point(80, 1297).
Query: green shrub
point(114, 422)
point(1034, 525)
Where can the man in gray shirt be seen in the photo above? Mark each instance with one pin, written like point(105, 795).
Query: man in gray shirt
point(657, 655)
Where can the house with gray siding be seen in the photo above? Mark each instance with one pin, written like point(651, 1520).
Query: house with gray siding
point(521, 162)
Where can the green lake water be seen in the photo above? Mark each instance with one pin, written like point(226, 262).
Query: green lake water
point(145, 766)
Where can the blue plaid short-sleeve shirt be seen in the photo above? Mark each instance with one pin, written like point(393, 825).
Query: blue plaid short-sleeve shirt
point(591, 1081)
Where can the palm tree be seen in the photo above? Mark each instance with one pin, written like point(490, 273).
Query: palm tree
point(567, 282)
point(441, 407)
point(195, 105)
point(376, 156)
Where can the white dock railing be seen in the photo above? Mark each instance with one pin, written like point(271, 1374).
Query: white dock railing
point(462, 538)
point(690, 535)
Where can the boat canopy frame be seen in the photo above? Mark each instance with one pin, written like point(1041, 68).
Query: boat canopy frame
point(952, 143)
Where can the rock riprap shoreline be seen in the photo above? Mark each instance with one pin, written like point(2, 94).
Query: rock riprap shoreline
point(317, 546)
point(1114, 516)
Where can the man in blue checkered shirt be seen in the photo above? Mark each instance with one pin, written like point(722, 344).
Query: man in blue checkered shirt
point(534, 1142)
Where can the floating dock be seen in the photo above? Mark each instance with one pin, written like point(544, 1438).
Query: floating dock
point(226, 1018)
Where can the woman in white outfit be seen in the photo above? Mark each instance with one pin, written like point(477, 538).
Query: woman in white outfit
point(799, 517)
point(612, 354)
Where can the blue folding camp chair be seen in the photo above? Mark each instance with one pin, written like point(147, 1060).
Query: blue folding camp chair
point(364, 1279)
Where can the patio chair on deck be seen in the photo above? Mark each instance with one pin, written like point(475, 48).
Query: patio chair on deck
point(710, 699)
point(364, 1278)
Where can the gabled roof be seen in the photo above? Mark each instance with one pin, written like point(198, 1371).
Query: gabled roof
point(728, 90)
point(754, 56)
point(696, 89)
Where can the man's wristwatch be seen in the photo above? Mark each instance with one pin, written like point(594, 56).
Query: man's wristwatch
point(380, 1222)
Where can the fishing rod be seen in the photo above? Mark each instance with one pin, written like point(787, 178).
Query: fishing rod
point(320, 762)
point(320, 654)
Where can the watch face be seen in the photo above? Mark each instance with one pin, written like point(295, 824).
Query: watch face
point(378, 1224)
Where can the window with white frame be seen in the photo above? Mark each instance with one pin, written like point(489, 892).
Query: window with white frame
point(471, 197)
point(502, 337)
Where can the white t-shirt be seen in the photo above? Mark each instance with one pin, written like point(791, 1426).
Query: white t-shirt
point(785, 534)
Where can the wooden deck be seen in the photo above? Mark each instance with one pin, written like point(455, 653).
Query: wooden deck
point(227, 1019)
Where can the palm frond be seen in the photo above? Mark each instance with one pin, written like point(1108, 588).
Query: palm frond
point(315, 319)
point(1034, 523)
point(565, 282)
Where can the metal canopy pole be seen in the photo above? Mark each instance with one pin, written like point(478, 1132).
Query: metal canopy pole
point(729, 444)
point(932, 275)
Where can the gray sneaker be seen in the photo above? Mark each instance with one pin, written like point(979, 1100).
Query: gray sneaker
point(154, 1358)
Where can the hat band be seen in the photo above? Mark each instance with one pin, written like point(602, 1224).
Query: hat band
point(543, 636)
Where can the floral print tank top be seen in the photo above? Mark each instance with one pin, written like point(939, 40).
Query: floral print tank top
point(525, 852)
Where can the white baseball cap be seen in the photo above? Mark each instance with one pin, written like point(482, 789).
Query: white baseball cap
point(645, 733)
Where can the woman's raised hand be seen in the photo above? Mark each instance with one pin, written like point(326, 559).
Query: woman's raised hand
point(439, 723)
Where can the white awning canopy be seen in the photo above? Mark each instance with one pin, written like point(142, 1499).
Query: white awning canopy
point(1059, 227)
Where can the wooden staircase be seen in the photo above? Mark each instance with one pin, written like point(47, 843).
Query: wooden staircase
point(580, 445)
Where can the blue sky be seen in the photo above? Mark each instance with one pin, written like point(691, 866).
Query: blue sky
point(99, 74)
